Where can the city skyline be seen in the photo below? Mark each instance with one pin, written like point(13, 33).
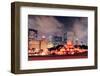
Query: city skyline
point(58, 25)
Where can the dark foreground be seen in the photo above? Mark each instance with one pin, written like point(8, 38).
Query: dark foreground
point(55, 57)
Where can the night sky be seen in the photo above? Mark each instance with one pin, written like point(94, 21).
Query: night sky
point(58, 25)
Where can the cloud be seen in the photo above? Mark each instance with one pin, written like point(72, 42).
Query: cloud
point(49, 25)
point(45, 24)
point(81, 30)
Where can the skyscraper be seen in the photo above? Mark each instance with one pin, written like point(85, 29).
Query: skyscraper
point(57, 40)
point(65, 37)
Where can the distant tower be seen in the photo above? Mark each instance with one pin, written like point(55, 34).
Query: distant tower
point(70, 36)
point(65, 37)
point(50, 41)
point(76, 41)
point(50, 38)
point(43, 42)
